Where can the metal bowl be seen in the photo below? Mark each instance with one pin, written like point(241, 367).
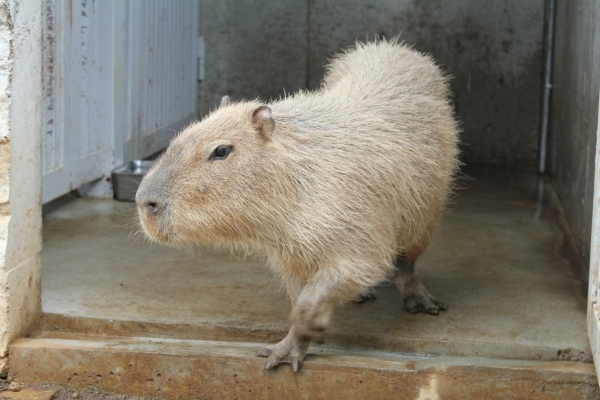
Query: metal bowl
point(126, 178)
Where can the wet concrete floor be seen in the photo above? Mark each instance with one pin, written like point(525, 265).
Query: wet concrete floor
point(497, 261)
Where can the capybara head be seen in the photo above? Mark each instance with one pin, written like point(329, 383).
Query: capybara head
point(215, 181)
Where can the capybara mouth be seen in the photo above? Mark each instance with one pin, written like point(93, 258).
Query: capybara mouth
point(160, 237)
point(153, 231)
point(163, 238)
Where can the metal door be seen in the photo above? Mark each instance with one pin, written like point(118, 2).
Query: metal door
point(119, 82)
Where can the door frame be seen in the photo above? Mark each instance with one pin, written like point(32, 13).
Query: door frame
point(593, 306)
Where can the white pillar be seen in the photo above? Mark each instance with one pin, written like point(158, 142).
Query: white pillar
point(20, 171)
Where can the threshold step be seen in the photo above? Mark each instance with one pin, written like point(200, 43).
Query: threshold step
point(188, 369)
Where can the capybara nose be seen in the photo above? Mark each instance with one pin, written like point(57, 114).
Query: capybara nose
point(153, 207)
point(148, 205)
point(147, 201)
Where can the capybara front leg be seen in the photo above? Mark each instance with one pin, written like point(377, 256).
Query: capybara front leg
point(312, 312)
point(415, 295)
point(310, 316)
point(291, 350)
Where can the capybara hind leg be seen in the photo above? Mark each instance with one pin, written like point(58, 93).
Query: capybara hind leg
point(291, 350)
point(415, 295)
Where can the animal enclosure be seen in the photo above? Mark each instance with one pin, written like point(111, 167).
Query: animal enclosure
point(512, 256)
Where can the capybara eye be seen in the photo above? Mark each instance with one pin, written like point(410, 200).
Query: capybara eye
point(220, 153)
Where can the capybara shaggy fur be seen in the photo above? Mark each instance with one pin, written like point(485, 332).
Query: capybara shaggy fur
point(339, 188)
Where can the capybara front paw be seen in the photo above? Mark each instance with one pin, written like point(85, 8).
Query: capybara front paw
point(422, 301)
point(285, 352)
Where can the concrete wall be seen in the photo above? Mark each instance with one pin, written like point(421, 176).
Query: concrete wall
point(20, 171)
point(493, 49)
point(574, 112)
point(253, 48)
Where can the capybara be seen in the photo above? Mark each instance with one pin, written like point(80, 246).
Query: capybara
point(339, 188)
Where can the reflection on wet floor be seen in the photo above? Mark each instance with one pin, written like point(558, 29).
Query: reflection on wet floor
point(500, 259)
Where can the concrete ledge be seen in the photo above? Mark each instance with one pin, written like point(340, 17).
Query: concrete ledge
point(183, 369)
point(56, 325)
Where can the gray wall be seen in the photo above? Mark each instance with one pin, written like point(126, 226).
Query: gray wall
point(253, 49)
point(574, 112)
point(493, 49)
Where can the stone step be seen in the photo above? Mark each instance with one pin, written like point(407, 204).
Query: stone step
point(189, 369)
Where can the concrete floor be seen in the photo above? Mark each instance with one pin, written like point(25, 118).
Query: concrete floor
point(498, 260)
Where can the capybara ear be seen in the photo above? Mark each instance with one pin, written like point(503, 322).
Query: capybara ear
point(262, 118)
point(225, 101)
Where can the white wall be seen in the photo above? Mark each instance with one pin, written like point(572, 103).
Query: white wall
point(20, 171)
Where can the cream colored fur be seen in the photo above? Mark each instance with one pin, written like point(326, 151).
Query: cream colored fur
point(352, 175)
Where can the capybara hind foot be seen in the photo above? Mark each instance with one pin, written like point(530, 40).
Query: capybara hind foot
point(414, 293)
point(289, 351)
point(418, 299)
